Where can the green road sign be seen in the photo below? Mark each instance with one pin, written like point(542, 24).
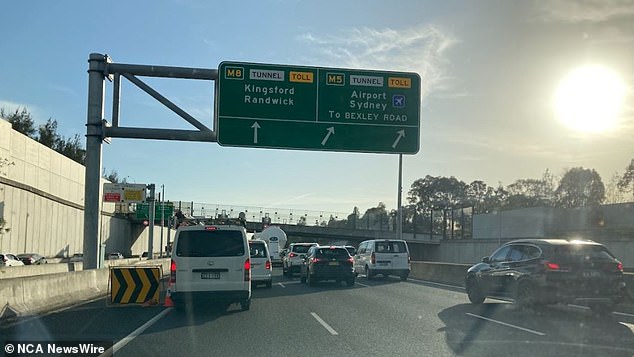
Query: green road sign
point(312, 108)
point(143, 209)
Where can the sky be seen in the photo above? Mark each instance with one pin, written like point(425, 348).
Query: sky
point(490, 71)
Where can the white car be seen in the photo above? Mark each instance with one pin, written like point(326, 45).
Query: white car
point(384, 257)
point(294, 259)
point(260, 263)
point(9, 260)
point(211, 263)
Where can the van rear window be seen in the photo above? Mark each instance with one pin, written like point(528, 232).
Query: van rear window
point(219, 243)
point(390, 247)
point(257, 250)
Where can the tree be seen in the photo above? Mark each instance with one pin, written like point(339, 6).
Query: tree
point(72, 149)
point(301, 221)
point(613, 191)
point(580, 187)
point(21, 120)
point(47, 134)
point(437, 192)
point(627, 181)
point(375, 217)
point(113, 176)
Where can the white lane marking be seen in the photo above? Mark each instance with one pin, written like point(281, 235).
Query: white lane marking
point(365, 286)
point(324, 324)
point(435, 283)
point(292, 282)
point(282, 285)
point(507, 324)
point(119, 345)
point(623, 314)
point(579, 307)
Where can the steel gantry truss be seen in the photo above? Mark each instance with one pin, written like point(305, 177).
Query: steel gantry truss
point(101, 67)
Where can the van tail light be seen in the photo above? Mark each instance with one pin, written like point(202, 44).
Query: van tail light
point(247, 270)
point(267, 265)
point(351, 260)
point(552, 266)
point(619, 267)
point(409, 259)
point(172, 272)
point(291, 255)
point(373, 259)
point(315, 260)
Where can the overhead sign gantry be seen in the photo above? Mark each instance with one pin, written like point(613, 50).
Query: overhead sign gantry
point(314, 108)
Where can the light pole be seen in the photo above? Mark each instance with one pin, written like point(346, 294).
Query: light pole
point(399, 226)
point(162, 200)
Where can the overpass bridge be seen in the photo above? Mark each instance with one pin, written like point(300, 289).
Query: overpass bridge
point(421, 245)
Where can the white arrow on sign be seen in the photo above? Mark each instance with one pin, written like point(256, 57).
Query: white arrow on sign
point(255, 127)
point(401, 134)
point(331, 131)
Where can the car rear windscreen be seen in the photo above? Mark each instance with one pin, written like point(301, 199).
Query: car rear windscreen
point(257, 250)
point(583, 252)
point(390, 247)
point(218, 243)
point(301, 249)
point(338, 253)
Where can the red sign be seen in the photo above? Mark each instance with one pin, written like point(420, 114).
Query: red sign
point(112, 197)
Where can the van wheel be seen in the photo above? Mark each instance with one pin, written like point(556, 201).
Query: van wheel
point(404, 276)
point(269, 284)
point(245, 305)
point(309, 281)
point(350, 282)
point(302, 279)
point(368, 274)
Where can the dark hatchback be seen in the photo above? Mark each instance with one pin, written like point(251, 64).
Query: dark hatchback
point(327, 263)
point(549, 271)
point(32, 259)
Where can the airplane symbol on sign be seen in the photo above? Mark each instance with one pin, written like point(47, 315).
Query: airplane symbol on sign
point(398, 101)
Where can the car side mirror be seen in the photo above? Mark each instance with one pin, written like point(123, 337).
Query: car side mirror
point(486, 260)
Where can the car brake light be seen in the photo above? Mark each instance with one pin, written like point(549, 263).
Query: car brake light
point(373, 259)
point(211, 228)
point(315, 260)
point(173, 272)
point(267, 265)
point(247, 270)
point(619, 267)
point(291, 254)
point(552, 266)
point(350, 260)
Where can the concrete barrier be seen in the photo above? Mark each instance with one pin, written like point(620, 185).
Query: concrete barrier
point(35, 294)
point(53, 268)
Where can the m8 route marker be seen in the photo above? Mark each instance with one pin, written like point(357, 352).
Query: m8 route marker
point(314, 108)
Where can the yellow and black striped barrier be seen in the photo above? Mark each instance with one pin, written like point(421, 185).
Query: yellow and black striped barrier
point(134, 285)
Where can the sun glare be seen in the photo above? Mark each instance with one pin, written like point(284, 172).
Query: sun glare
point(589, 99)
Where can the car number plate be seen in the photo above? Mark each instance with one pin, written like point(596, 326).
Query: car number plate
point(384, 264)
point(333, 263)
point(210, 275)
point(591, 274)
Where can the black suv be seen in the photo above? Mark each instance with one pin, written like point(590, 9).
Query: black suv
point(327, 263)
point(549, 271)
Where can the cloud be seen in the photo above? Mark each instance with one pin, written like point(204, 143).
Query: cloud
point(583, 10)
point(419, 49)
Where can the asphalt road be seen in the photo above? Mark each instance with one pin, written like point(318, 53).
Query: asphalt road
point(382, 317)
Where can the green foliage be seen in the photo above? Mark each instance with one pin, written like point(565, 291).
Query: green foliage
point(579, 187)
point(21, 120)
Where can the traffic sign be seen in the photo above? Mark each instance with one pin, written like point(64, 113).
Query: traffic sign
point(134, 285)
point(315, 108)
point(124, 192)
point(143, 209)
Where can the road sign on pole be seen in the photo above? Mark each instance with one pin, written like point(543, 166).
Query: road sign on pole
point(314, 108)
point(124, 192)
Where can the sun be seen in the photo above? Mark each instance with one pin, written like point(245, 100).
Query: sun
point(589, 99)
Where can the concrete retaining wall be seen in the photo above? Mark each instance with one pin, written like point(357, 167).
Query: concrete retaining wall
point(35, 294)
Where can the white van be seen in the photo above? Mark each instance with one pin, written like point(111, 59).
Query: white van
point(211, 264)
point(260, 263)
point(382, 256)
